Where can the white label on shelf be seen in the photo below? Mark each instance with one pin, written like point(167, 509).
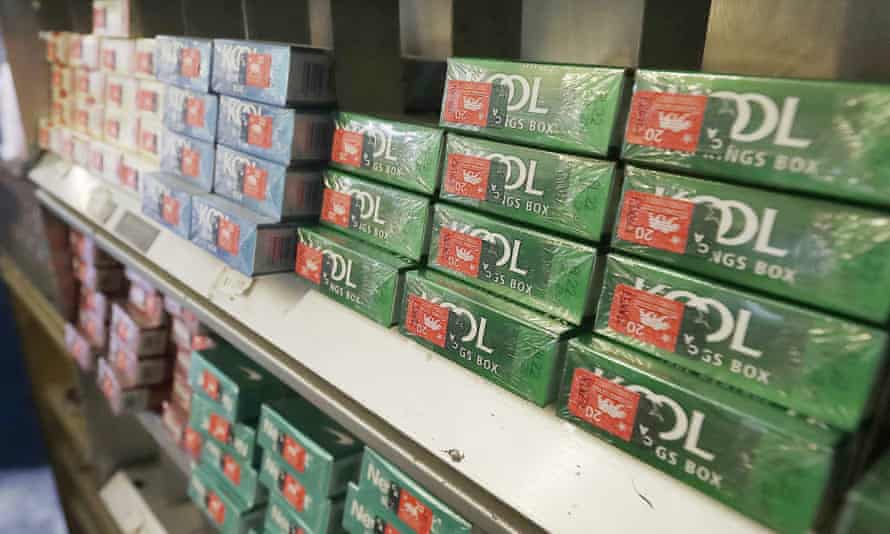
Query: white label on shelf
point(136, 231)
point(51, 167)
point(231, 283)
point(101, 204)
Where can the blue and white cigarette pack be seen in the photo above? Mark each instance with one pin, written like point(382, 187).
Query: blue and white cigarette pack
point(277, 134)
point(168, 201)
point(184, 62)
point(191, 113)
point(188, 158)
point(274, 73)
point(248, 242)
point(267, 188)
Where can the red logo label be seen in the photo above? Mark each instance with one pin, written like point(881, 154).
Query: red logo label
point(83, 82)
point(109, 61)
point(655, 221)
point(76, 48)
point(191, 162)
point(603, 404)
point(294, 492)
point(426, 319)
point(145, 63)
point(294, 454)
point(414, 513)
point(122, 362)
point(335, 207)
point(108, 388)
point(112, 128)
point(99, 18)
point(255, 182)
point(467, 176)
point(81, 118)
point(216, 508)
point(309, 263)
point(194, 112)
point(190, 62)
point(666, 120)
point(127, 176)
point(148, 141)
point(232, 470)
point(210, 385)
point(229, 236)
point(219, 428)
point(56, 77)
point(192, 442)
point(259, 68)
point(91, 329)
point(97, 161)
point(259, 131)
point(123, 331)
point(467, 102)
point(649, 318)
point(80, 352)
point(170, 209)
point(116, 93)
point(347, 147)
point(147, 100)
point(459, 252)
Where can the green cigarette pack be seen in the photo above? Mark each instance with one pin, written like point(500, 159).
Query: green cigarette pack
point(385, 216)
point(567, 108)
point(829, 138)
point(538, 270)
point(814, 363)
point(322, 454)
point(369, 517)
point(865, 509)
point(240, 477)
point(750, 455)
point(237, 384)
point(398, 153)
point(317, 512)
point(388, 488)
point(363, 277)
point(824, 254)
point(561, 193)
point(516, 348)
point(281, 519)
point(237, 439)
point(225, 512)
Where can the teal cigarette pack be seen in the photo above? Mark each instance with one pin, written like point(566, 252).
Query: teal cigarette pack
point(824, 254)
point(385, 216)
point(538, 270)
point(319, 451)
point(814, 363)
point(829, 138)
point(505, 343)
point(567, 108)
point(750, 455)
point(561, 193)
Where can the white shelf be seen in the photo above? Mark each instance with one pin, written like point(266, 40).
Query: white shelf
point(523, 469)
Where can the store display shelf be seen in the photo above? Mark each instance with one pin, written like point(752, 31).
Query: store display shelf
point(505, 464)
point(155, 427)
